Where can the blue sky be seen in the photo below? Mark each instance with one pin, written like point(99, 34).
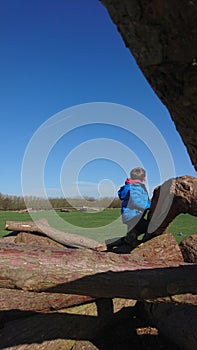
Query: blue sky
point(60, 54)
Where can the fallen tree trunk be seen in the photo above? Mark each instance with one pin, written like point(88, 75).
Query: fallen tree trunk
point(57, 330)
point(180, 299)
point(22, 300)
point(175, 196)
point(60, 330)
point(13, 299)
point(64, 238)
point(177, 322)
point(163, 248)
point(93, 274)
point(31, 239)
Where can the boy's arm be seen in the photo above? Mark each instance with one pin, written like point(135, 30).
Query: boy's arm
point(148, 203)
point(123, 191)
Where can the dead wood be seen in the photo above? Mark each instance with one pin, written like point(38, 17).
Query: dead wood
point(94, 274)
point(33, 238)
point(188, 248)
point(181, 299)
point(15, 299)
point(64, 238)
point(163, 248)
point(177, 322)
point(57, 330)
point(60, 330)
point(68, 328)
point(175, 196)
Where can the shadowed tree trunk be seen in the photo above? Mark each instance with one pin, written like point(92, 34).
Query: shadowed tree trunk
point(60, 330)
point(180, 299)
point(162, 37)
point(177, 322)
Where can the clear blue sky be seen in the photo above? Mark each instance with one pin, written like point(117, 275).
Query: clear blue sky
point(56, 54)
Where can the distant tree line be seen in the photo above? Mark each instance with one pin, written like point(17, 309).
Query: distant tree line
point(9, 202)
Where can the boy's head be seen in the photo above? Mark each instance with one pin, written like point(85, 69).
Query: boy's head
point(138, 174)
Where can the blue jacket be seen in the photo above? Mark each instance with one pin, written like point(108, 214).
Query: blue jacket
point(135, 200)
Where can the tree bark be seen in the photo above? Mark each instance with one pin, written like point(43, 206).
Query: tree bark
point(16, 299)
point(180, 299)
point(93, 274)
point(175, 196)
point(13, 299)
point(188, 248)
point(163, 248)
point(64, 238)
point(34, 238)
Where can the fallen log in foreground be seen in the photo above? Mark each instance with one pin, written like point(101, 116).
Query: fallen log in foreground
point(93, 274)
point(177, 322)
point(43, 227)
point(62, 330)
point(25, 300)
point(15, 299)
point(178, 299)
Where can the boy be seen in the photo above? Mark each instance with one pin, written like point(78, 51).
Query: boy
point(135, 202)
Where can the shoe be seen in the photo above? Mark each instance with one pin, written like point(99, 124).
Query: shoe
point(115, 243)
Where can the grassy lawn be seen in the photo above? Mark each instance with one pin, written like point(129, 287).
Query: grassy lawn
point(99, 226)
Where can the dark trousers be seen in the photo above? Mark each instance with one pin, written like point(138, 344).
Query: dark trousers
point(135, 230)
point(142, 226)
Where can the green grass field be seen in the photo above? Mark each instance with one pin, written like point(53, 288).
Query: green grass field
point(99, 226)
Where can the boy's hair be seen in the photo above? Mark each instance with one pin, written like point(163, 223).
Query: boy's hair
point(138, 174)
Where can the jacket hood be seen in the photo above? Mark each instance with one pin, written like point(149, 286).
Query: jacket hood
point(129, 181)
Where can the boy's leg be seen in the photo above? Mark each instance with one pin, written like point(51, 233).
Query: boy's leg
point(147, 237)
point(142, 226)
point(137, 230)
point(132, 233)
point(131, 236)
